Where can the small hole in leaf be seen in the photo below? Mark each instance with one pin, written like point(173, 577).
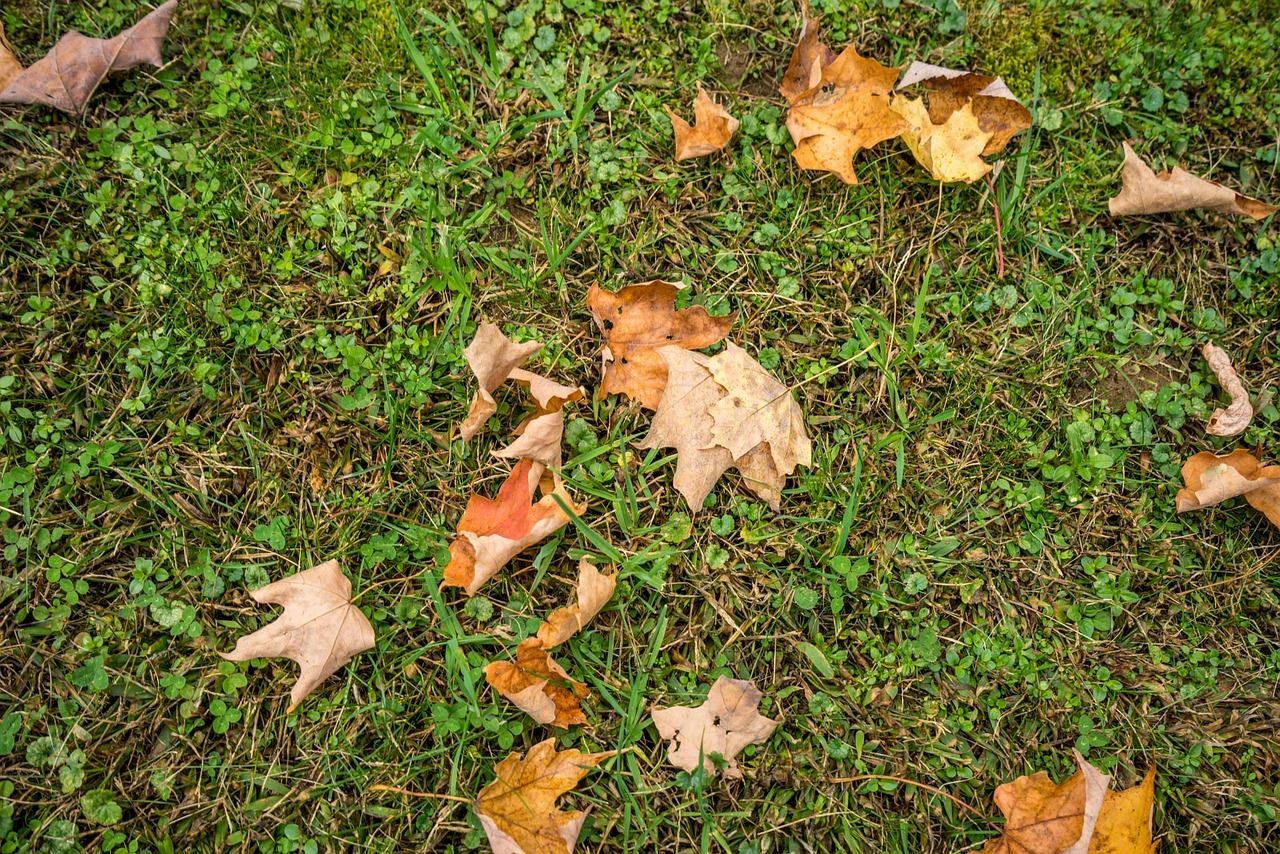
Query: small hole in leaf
point(716, 721)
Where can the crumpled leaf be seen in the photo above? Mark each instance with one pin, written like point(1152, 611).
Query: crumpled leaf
point(1124, 824)
point(594, 592)
point(1212, 479)
point(1236, 417)
point(951, 151)
point(492, 357)
point(492, 531)
point(541, 433)
point(808, 60)
point(320, 628)
point(845, 111)
point(66, 77)
point(1048, 818)
point(727, 722)
point(1145, 192)
point(711, 131)
point(518, 809)
point(995, 108)
point(539, 686)
point(638, 319)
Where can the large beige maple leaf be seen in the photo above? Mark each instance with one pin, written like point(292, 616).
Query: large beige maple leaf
point(727, 722)
point(320, 628)
point(518, 809)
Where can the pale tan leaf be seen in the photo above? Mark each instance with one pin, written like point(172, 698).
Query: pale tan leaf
point(594, 592)
point(712, 128)
point(518, 809)
point(1236, 417)
point(1211, 479)
point(726, 723)
point(540, 435)
point(492, 357)
point(1145, 192)
point(319, 628)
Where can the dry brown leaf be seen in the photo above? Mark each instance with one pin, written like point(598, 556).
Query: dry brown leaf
point(594, 591)
point(1236, 417)
point(997, 111)
point(1145, 192)
point(518, 809)
point(1212, 479)
point(541, 433)
point(492, 357)
point(10, 67)
point(951, 151)
point(711, 131)
point(1048, 818)
point(539, 686)
point(67, 76)
point(1124, 824)
point(808, 60)
point(726, 723)
point(319, 628)
point(638, 319)
point(847, 111)
point(756, 411)
point(683, 421)
point(492, 531)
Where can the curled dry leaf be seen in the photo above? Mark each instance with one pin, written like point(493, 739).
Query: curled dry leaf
point(1050, 818)
point(320, 628)
point(594, 592)
point(638, 319)
point(846, 111)
point(539, 686)
point(1211, 479)
point(808, 60)
point(541, 433)
point(995, 108)
point(951, 151)
point(518, 809)
point(711, 131)
point(492, 531)
point(492, 357)
point(726, 723)
point(1145, 192)
point(1236, 417)
point(67, 76)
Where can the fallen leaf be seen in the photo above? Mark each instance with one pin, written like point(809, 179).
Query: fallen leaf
point(492, 357)
point(541, 433)
point(951, 151)
point(726, 723)
point(638, 319)
point(492, 531)
point(319, 628)
point(995, 108)
point(1124, 824)
point(1211, 479)
point(539, 686)
point(1236, 417)
point(1145, 192)
point(518, 809)
point(711, 131)
point(594, 592)
point(67, 76)
point(1048, 818)
point(757, 412)
point(848, 110)
point(808, 60)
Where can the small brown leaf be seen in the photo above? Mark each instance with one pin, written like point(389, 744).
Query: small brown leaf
point(594, 592)
point(67, 76)
point(1048, 818)
point(726, 723)
point(492, 531)
point(1236, 417)
point(847, 111)
point(539, 686)
point(518, 809)
point(808, 60)
point(492, 357)
point(320, 628)
point(1212, 479)
point(10, 67)
point(711, 131)
point(638, 319)
point(1145, 192)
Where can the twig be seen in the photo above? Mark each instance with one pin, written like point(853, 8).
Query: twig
point(995, 205)
point(381, 788)
point(905, 781)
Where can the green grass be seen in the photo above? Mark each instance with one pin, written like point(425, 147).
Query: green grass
point(207, 381)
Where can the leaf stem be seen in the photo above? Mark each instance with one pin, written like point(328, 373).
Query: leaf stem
point(907, 782)
point(381, 788)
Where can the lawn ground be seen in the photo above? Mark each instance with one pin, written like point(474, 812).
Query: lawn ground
point(233, 302)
